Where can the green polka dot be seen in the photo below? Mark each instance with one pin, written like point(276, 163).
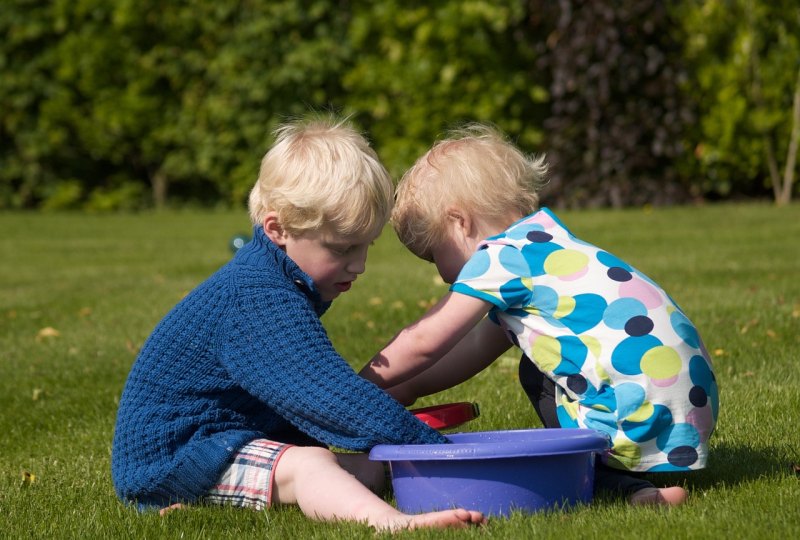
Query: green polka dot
point(661, 362)
point(527, 282)
point(627, 451)
point(570, 406)
point(593, 344)
point(602, 374)
point(565, 262)
point(546, 352)
point(642, 413)
point(566, 305)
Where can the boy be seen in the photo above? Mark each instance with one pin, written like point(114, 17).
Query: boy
point(603, 346)
point(238, 391)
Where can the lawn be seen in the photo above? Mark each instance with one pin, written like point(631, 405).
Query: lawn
point(79, 294)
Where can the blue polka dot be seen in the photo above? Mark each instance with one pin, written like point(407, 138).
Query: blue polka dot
point(587, 314)
point(611, 261)
point(630, 396)
point(476, 266)
point(564, 419)
point(544, 299)
point(620, 311)
point(700, 373)
point(573, 355)
point(536, 254)
point(604, 396)
point(650, 428)
point(678, 435)
point(604, 422)
point(627, 355)
point(514, 292)
point(684, 329)
point(513, 261)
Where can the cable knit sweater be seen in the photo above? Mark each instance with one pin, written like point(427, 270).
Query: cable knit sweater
point(243, 356)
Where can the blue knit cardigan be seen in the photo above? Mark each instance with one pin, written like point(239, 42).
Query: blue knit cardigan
point(243, 356)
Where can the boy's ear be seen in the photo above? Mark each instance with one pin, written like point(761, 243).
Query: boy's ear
point(273, 229)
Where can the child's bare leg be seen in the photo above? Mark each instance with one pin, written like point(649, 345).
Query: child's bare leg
point(369, 473)
point(312, 478)
point(669, 496)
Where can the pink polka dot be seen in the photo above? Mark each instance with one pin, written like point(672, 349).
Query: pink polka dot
point(642, 291)
point(663, 383)
point(577, 275)
point(702, 418)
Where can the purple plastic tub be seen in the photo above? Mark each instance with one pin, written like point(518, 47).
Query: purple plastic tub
point(495, 472)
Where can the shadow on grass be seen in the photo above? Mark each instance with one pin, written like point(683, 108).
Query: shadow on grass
point(731, 465)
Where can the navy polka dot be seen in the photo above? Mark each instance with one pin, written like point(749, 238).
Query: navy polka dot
point(619, 274)
point(682, 456)
point(577, 384)
point(698, 396)
point(638, 326)
point(540, 237)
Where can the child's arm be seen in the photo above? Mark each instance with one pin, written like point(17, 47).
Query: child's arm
point(421, 344)
point(482, 346)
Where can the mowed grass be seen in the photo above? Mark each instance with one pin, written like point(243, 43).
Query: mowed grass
point(80, 294)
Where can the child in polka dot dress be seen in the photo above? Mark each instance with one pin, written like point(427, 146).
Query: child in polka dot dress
point(603, 346)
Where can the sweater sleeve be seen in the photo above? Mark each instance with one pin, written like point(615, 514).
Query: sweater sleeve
point(276, 348)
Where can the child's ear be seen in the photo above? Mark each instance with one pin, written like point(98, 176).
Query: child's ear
point(460, 219)
point(274, 230)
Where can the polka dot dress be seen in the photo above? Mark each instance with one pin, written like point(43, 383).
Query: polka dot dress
point(625, 359)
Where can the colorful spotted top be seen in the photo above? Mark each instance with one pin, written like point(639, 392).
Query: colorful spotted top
point(625, 359)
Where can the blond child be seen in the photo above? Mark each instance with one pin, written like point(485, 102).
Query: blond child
point(237, 393)
point(603, 347)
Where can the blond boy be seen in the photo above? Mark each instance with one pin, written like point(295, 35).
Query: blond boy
point(238, 392)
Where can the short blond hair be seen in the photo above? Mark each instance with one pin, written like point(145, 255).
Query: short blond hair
point(475, 169)
point(321, 173)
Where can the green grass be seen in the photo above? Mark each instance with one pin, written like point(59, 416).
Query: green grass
point(103, 282)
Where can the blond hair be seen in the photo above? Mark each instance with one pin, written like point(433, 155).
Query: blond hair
point(475, 169)
point(321, 173)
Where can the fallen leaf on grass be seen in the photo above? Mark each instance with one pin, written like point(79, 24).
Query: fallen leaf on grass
point(719, 352)
point(37, 393)
point(748, 326)
point(85, 311)
point(28, 478)
point(47, 332)
point(771, 333)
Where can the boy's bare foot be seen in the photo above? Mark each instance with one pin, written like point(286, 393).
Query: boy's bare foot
point(669, 496)
point(446, 519)
point(170, 508)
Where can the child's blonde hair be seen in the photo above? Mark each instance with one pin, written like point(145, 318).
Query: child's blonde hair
point(475, 169)
point(322, 173)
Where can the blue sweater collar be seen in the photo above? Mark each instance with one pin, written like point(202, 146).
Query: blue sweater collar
point(262, 251)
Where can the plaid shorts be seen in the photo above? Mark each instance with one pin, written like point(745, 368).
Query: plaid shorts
point(247, 482)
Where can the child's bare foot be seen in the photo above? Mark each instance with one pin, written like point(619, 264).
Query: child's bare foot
point(446, 519)
point(669, 496)
point(170, 508)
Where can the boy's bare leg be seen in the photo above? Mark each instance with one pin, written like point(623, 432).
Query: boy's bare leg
point(312, 478)
point(669, 496)
point(370, 473)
